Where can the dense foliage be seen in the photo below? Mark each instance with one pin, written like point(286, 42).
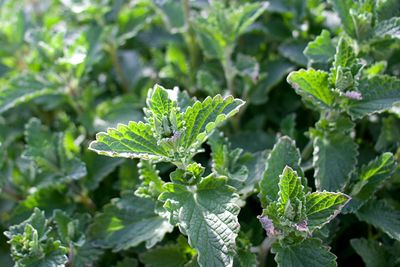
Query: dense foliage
point(276, 144)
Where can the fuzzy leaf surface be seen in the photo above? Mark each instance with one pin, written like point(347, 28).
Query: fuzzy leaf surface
point(23, 89)
point(321, 49)
point(284, 153)
point(134, 140)
point(208, 216)
point(151, 182)
point(312, 85)
point(322, 207)
point(379, 93)
point(308, 253)
point(32, 247)
point(371, 176)
point(48, 152)
point(335, 157)
point(390, 27)
point(203, 117)
point(291, 191)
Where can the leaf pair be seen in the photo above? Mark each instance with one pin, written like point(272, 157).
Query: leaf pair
point(169, 134)
point(292, 213)
point(344, 88)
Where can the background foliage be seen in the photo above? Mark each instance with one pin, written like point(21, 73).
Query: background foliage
point(324, 74)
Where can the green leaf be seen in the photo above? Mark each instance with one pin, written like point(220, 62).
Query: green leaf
point(127, 262)
point(371, 177)
point(170, 255)
point(291, 195)
point(134, 140)
point(390, 27)
point(203, 117)
point(219, 29)
point(48, 151)
point(32, 247)
point(381, 215)
point(284, 153)
point(98, 167)
point(244, 256)
point(128, 221)
point(276, 71)
point(72, 233)
point(293, 50)
point(225, 160)
point(379, 93)
point(152, 184)
point(308, 253)
point(312, 85)
point(343, 7)
point(322, 207)
point(173, 14)
point(345, 56)
point(388, 9)
point(86, 254)
point(22, 89)
point(160, 102)
point(345, 66)
point(46, 199)
point(389, 136)
point(169, 135)
point(247, 66)
point(372, 252)
point(335, 158)
point(321, 49)
point(208, 216)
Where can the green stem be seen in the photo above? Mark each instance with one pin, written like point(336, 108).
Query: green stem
point(229, 70)
point(307, 151)
point(264, 250)
point(112, 49)
point(190, 41)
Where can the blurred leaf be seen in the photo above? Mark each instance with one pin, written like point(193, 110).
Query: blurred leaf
point(321, 49)
point(372, 252)
point(128, 221)
point(381, 215)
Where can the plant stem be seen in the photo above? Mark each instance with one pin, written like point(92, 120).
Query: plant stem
point(229, 70)
point(190, 41)
point(307, 151)
point(112, 49)
point(264, 250)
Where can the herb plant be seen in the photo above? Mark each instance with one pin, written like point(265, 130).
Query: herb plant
point(278, 144)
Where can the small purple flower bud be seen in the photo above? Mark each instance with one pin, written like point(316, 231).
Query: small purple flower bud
point(353, 95)
point(302, 226)
point(267, 225)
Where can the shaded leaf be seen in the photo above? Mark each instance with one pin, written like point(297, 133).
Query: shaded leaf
point(308, 253)
point(372, 252)
point(381, 215)
point(128, 221)
point(379, 93)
